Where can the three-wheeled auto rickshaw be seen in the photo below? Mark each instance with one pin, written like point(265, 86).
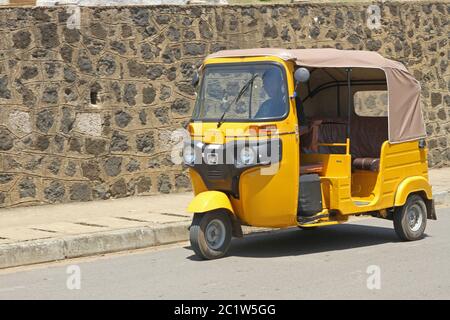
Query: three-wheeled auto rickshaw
point(307, 138)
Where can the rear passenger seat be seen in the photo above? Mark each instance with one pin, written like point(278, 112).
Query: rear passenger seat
point(372, 164)
point(367, 137)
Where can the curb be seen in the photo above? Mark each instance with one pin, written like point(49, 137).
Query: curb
point(90, 244)
point(441, 198)
point(49, 250)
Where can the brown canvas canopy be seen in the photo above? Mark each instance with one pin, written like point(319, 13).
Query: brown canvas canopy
point(405, 122)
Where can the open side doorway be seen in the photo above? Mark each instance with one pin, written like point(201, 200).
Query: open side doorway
point(341, 141)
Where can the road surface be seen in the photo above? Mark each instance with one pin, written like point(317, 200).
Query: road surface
point(336, 262)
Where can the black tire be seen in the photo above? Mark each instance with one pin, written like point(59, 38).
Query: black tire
point(202, 236)
point(410, 220)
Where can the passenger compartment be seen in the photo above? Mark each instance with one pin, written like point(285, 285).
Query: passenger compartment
point(328, 145)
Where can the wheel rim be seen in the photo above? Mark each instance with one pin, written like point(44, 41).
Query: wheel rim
point(215, 234)
point(414, 216)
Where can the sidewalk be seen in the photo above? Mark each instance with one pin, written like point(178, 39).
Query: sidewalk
point(55, 232)
point(440, 180)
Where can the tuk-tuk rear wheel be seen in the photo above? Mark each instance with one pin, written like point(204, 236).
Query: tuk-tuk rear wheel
point(410, 219)
point(210, 234)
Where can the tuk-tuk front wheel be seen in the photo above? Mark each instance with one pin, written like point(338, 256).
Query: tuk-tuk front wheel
point(410, 220)
point(210, 234)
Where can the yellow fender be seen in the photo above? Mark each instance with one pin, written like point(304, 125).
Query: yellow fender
point(410, 185)
point(210, 200)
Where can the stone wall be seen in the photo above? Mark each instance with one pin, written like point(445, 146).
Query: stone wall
point(85, 114)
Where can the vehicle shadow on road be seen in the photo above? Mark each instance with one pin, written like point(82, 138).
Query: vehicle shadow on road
point(294, 241)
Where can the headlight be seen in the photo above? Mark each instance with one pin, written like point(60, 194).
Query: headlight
point(189, 154)
point(247, 156)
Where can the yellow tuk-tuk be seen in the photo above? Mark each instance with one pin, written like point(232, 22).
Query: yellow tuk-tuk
point(307, 138)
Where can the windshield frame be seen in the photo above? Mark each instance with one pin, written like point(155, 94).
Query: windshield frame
point(194, 118)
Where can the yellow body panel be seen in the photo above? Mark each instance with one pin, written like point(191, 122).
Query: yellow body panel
point(209, 201)
point(197, 183)
point(271, 200)
point(410, 185)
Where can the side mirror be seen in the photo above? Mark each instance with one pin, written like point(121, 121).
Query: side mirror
point(195, 79)
point(301, 75)
point(422, 144)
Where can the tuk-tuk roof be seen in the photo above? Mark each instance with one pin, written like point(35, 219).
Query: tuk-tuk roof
point(404, 113)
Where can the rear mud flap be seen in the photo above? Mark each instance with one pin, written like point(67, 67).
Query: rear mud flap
point(431, 210)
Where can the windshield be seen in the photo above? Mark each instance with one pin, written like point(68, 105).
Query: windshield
point(242, 92)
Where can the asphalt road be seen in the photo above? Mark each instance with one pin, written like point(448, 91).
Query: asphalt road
point(326, 263)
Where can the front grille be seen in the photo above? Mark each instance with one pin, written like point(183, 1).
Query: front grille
point(215, 173)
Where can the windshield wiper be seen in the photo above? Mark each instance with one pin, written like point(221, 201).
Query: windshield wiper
point(239, 95)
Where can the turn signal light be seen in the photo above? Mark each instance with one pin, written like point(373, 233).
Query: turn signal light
point(262, 130)
point(190, 129)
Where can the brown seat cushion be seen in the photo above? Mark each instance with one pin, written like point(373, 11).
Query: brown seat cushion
point(372, 164)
